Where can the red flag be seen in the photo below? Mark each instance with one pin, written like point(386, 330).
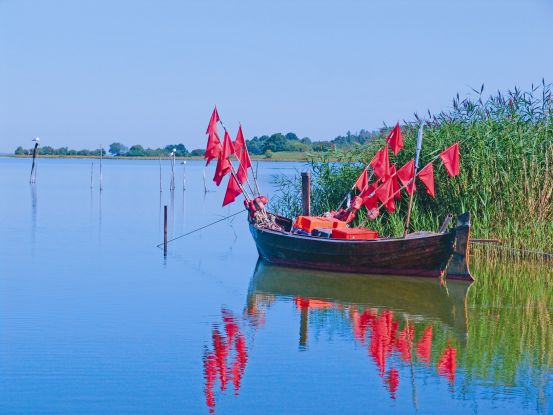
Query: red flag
point(223, 164)
point(233, 190)
point(450, 158)
point(245, 163)
point(406, 174)
point(369, 198)
point(362, 180)
point(213, 148)
point(395, 183)
point(239, 143)
point(381, 163)
point(426, 175)
point(385, 194)
point(241, 151)
point(212, 126)
point(395, 140)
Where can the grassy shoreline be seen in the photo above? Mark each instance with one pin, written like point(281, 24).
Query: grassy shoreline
point(278, 156)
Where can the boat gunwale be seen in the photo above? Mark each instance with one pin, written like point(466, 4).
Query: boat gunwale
point(353, 241)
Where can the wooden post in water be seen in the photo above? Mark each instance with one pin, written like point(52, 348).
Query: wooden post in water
point(101, 177)
point(184, 175)
point(160, 187)
point(165, 230)
point(306, 193)
point(32, 179)
point(92, 175)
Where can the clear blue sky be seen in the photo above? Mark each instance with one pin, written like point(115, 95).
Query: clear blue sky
point(80, 73)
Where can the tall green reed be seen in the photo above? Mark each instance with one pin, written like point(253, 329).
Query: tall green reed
point(506, 179)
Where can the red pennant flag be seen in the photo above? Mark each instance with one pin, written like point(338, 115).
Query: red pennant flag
point(241, 151)
point(426, 176)
point(233, 190)
point(450, 159)
point(245, 163)
point(362, 180)
point(369, 197)
point(406, 174)
point(239, 143)
point(223, 164)
point(213, 148)
point(212, 126)
point(395, 140)
point(385, 194)
point(381, 163)
point(395, 182)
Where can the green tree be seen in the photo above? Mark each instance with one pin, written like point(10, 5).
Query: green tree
point(198, 152)
point(136, 151)
point(118, 149)
point(19, 151)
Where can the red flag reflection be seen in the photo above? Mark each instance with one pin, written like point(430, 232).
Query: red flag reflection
point(227, 360)
point(448, 363)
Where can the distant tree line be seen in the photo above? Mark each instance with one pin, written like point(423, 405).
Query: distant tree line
point(121, 150)
point(264, 144)
point(62, 151)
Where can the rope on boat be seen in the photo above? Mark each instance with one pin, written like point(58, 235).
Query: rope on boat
point(200, 228)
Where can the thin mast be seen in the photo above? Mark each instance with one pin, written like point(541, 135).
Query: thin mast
point(101, 178)
point(419, 148)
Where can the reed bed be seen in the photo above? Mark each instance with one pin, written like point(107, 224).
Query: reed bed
point(506, 180)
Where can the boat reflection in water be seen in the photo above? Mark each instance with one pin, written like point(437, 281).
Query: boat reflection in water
point(417, 321)
point(414, 319)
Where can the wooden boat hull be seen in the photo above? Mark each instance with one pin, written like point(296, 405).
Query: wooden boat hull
point(425, 255)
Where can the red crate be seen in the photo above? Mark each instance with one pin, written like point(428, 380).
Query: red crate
point(361, 234)
point(308, 223)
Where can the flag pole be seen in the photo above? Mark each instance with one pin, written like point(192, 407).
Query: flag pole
point(353, 187)
point(418, 153)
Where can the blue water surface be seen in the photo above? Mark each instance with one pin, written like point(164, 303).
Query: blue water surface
point(94, 320)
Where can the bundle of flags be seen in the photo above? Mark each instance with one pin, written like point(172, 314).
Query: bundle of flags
point(222, 152)
point(386, 188)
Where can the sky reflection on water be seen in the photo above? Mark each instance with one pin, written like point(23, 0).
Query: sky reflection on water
point(93, 319)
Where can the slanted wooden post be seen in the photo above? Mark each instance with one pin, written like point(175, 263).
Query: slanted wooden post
point(306, 193)
point(32, 180)
point(165, 230)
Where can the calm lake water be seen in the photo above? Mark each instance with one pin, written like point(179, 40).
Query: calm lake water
point(94, 320)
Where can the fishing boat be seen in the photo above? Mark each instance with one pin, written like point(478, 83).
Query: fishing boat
point(427, 254)
point(296, 243)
